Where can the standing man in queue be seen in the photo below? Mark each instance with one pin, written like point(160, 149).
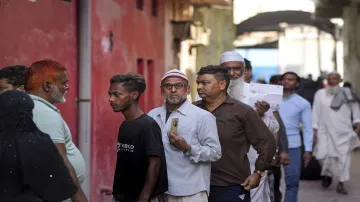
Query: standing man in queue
point(239, 126)
point(140, 173)
point(191, 146)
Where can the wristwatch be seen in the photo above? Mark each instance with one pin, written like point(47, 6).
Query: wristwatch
point(262, 174)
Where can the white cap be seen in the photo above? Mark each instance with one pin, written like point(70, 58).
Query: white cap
point(231, 56)
point(174, 73)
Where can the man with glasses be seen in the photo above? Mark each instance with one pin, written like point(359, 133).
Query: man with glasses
point(190, 138)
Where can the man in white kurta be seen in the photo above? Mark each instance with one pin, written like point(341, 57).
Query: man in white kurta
point(335, 112)
point(239, 89)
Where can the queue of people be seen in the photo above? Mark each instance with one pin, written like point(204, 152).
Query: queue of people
point(217, 149)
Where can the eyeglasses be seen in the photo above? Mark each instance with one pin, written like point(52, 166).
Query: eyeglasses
point(178, 86)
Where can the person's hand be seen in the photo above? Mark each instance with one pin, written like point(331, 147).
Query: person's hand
point(307, 158)
point(251, 182)
point(178, 142)
point(284, 158)
point(262, 107)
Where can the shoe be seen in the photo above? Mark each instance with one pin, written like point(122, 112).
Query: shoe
point(326, 182)
point(341, 190)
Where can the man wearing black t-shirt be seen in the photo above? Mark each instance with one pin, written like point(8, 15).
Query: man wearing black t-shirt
point(140, 174)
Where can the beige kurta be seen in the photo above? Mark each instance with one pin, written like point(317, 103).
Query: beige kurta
point(335, 135)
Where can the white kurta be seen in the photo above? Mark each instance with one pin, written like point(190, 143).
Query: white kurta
point(335, 135)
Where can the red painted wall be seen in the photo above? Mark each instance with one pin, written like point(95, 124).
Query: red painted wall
point(136, 34)
point(42, 30)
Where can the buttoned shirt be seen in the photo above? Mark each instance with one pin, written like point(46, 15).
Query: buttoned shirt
point(189, 173)
point(239, 127)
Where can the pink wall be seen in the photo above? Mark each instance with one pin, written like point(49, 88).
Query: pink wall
point(136, 34)
point(42, 30)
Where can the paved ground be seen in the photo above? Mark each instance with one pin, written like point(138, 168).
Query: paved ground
point(311, 191)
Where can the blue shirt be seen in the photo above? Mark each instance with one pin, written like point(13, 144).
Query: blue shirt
point(293, 111)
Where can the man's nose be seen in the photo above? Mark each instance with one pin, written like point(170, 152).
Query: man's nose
point(173, 89)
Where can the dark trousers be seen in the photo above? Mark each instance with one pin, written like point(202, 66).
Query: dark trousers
point(276, 171)
point(235, 193)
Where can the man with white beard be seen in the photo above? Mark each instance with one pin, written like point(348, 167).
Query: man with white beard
point(335, 111)
point(46, 82)
point(239, 90)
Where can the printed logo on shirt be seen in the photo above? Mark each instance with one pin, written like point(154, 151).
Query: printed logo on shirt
point(242, 196)
point(125, 147)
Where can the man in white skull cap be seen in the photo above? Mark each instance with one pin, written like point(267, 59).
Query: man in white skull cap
point(239, 89)
point(335, 114)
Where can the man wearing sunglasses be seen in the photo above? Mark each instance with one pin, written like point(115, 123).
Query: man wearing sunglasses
point(190, 138)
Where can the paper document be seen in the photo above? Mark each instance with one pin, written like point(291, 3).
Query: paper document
point(272, 94)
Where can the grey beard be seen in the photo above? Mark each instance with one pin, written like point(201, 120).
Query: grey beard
point(236, 88)
point(332, 90)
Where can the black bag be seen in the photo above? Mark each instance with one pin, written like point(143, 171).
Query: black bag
point(313, 170)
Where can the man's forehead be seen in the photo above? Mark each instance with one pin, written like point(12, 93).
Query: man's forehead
point(174, 80)
point(232, 64)
point(205, 77)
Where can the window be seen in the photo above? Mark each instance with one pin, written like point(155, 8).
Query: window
point(150, 85)
point(141, 71)
point(154, 8)
point(140, 4)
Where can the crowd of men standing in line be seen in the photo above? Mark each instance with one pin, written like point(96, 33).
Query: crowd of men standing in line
point(217, 149)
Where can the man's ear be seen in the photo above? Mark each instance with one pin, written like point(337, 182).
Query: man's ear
point(222, 85)
point(135, 95)
point(21, 88)
point(46, 86)
point(188, 90)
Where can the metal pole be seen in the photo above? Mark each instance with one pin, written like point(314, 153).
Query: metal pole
point(84, 86)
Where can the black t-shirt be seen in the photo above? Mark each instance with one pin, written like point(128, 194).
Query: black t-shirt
point(137, 140)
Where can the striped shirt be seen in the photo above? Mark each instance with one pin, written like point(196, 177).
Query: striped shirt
point(189, 173)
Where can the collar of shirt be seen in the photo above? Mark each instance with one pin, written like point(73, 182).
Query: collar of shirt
point(37, 98)
point(183, 109)
point(228, 100)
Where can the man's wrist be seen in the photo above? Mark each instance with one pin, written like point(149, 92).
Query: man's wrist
point(187, 149)
point(259, 173)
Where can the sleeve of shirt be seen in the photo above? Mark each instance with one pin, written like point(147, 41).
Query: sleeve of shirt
point(153, 141)
point(261, 139)
point(355, 110)
point(271, 122)
point(315, 111)
point(306, 120)
point(209, 149)
point(53, 126)
point(283, 139)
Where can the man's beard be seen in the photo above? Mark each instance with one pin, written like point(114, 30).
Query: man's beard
point(236, 87)
point(175, 101)
point(57, 96)
point(333, 90)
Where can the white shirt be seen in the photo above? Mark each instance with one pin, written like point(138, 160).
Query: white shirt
point(49, 120)
point(189, 173)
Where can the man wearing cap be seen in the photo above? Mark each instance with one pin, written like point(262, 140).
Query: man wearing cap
point(335, 113)
point(190, 140)
point(239, 89)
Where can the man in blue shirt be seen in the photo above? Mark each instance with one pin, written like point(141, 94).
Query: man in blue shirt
point(295, 110)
